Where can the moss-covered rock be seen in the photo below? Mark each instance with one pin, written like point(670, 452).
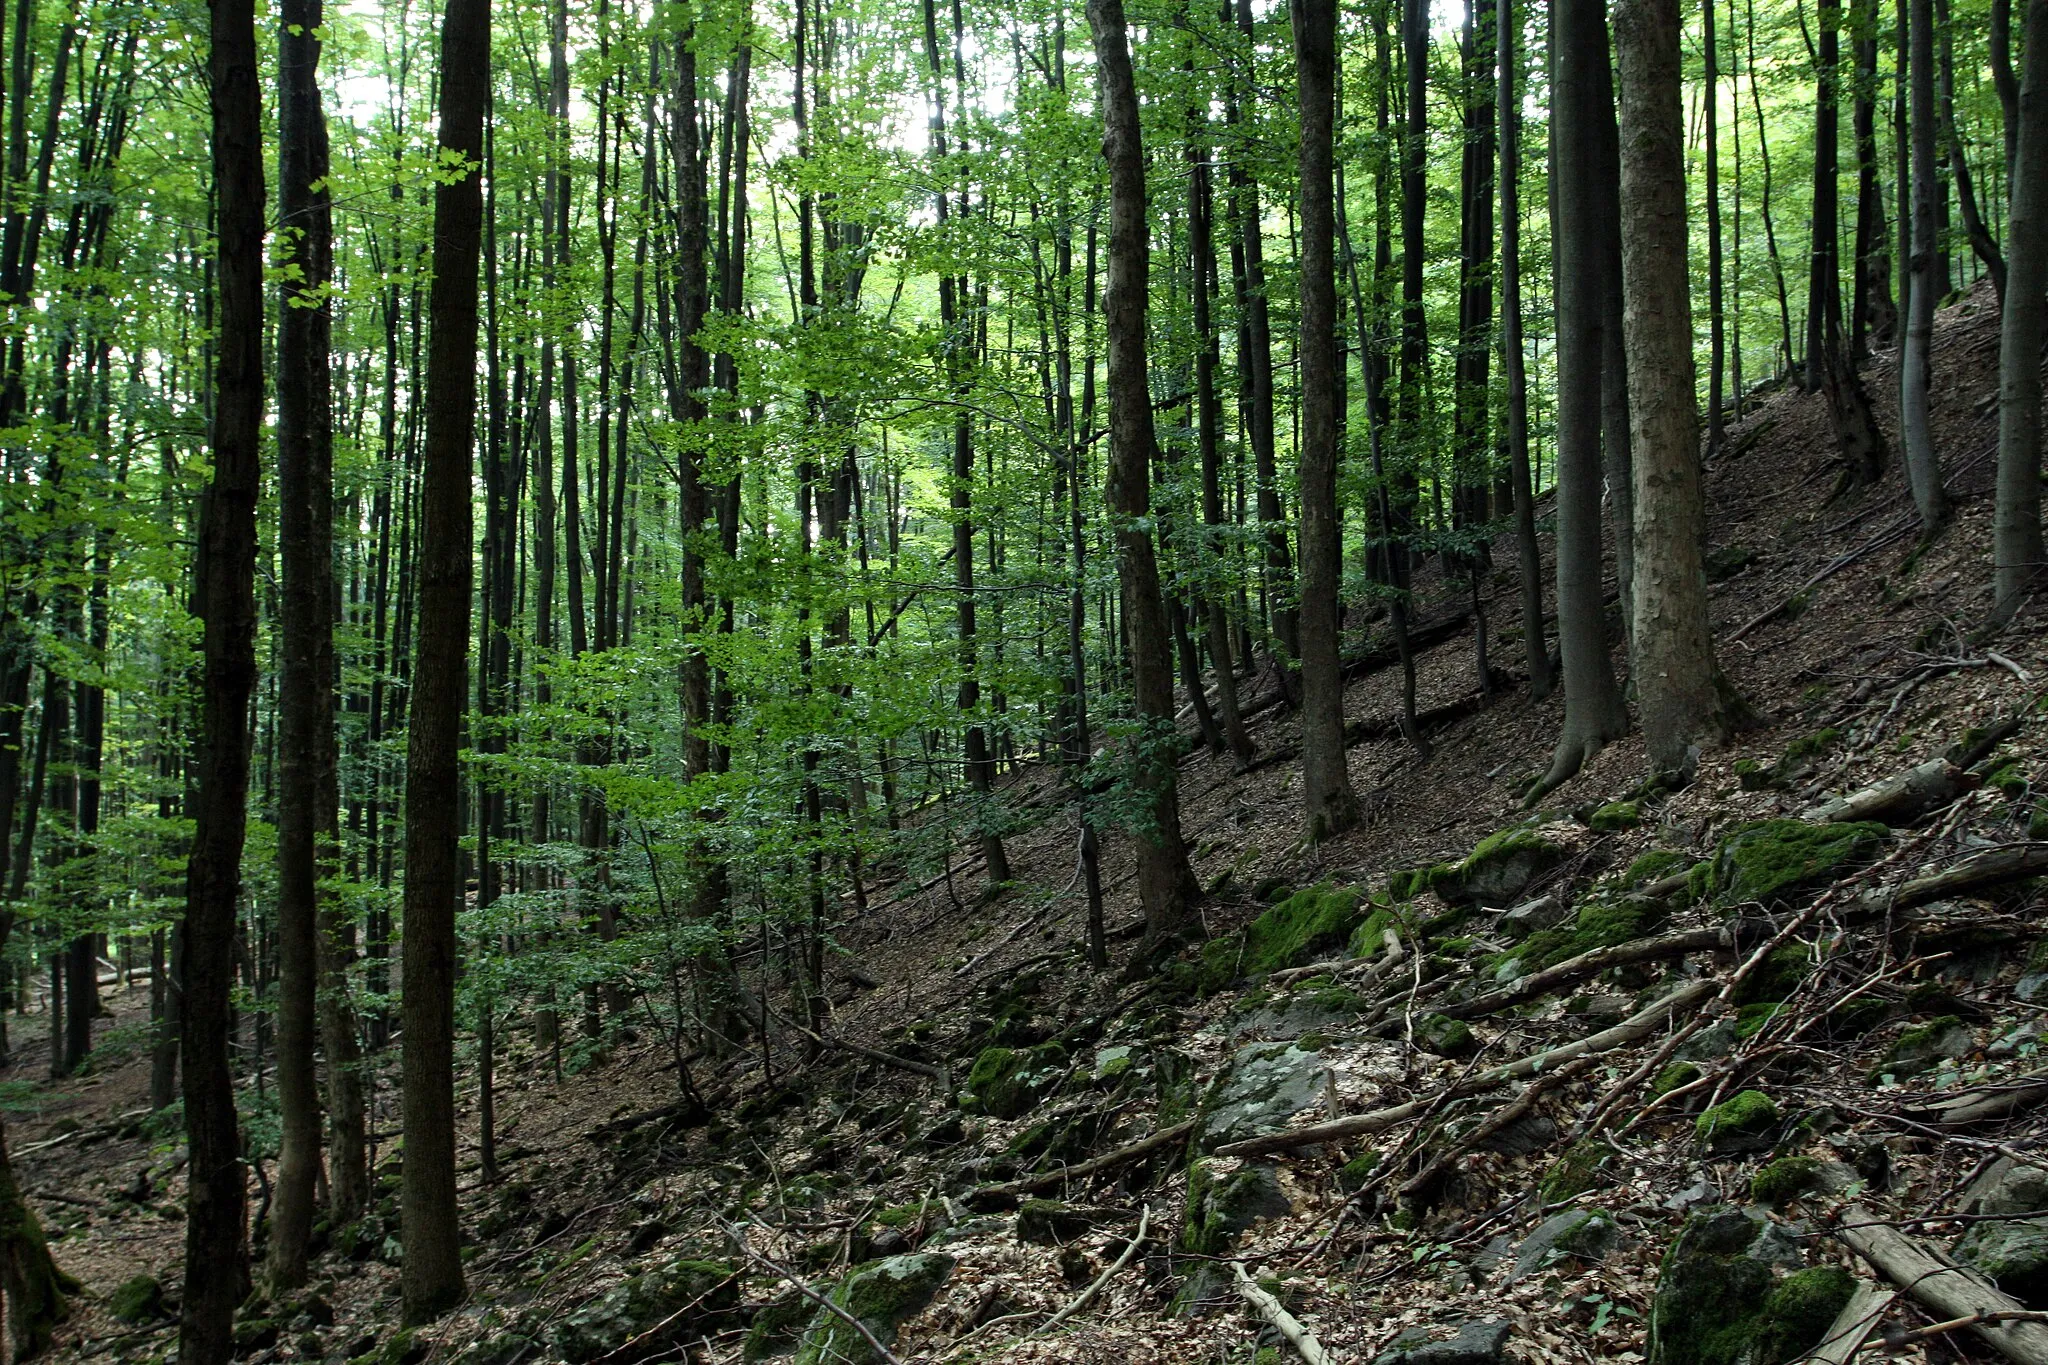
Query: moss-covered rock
point(1369, 939)
point(1777, 976)
point(1007, 1082)
point(1780, 1182)
point(1219, 1210)
point(2014, 1255)
point(1743, 1123)
point(1584, 1235)
point(1798, 1313)
point(1444, 1036)
point(1353, 1174)
point(883, 1295)
point(1655, 865)
point(1673, 1076)
point(1577, 1171)
point(1499, 868)
point(1307, 925)
point(1616, 816)
point(137, 1300)
point(1771, 860)
point(1925, 1047)
point(1750, 1019)
point(709, 1289)
point(1711, 1300)
point(777, 1327)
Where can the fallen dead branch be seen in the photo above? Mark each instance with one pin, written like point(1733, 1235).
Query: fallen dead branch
point(1592, 963)
point(1087, 1295)
point(1284, 1322)
point(1853, 1325)
point(1899, 799)
point(1630, 1030)
point(995, 1196)
point(1943, 1287)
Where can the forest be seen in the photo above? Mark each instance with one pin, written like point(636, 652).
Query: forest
point(589, 554)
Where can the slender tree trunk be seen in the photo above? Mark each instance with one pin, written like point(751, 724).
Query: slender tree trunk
point(1717, 328)
point(216, 1235)
point(2016, 551)
point(1529, 554)
point(1329, 805)
point(1166, 883)
point(1974, 226)
point(305, 698)
point(1923, 465)
point(1873, 316)
point(1580, 233)
point(432, 1276)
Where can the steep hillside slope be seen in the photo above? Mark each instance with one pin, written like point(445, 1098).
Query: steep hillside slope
point(1598, 1081)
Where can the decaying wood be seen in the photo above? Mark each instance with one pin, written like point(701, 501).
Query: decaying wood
point(1899, 799)
point(1984, 1103)
point(1284, 1322)
point(1630, 1030)
point(995, 1196)
point(1590, 964)
point(1852, 1326)
point(1941, 1286)
point(1979, 871)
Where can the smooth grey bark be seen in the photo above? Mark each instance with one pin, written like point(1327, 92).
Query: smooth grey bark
point(1514, 365)
point(1680, 693)
point(1923, 465)
point(2016, 548)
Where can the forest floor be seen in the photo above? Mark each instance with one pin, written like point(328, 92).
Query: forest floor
point(1552, 1213)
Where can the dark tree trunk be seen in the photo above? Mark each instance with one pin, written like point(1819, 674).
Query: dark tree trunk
point(1166, 883)
point(216, 1234)
point(1329, 805)
point(1581, 235)
point(1874, 318)
point(1923, 466)
point(306, 763)
point(2016, 528)
point(432, 1274)
point(1514, 368)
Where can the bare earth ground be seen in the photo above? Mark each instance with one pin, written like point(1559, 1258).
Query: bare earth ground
point(562, 1222)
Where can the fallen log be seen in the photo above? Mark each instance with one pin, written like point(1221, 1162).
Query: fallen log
point(1979, 871)
point(988, 1197)
point(1984, 1103)
point(1576, 969)
point(1852, 1326)
point(1630, 1030)
point(1899, 799)
point(1284, 1322)
point(1941, 1286)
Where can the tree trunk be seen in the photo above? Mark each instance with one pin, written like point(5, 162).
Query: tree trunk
point(1717, 340)
point(432, 1273)
point(1923, 465)
point(305, 698)
point(1579, 232)
point(1166, 884)
point(2016, 550)
point(1679, 687)
point(1329, 806)
point(1514, 367)
point(216, 1234)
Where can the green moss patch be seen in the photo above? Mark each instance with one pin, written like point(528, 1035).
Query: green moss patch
point(1784, 1180)
point(1006, 1082)
point(1799, 1312)
point(1658, 863)
point(1306, 925)
point(1499, 868)
point(1616, 816)
point(1738, 1123)
point(1576, 1172)
point(1770, 860)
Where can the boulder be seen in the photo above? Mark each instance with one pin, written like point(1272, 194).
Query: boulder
point(1770, 860)
point(1578, 1234)
point(628, 1310)
point(1219, 1210)
point(1721, 1301)
point(1476, 1343)
point(1926, 1046)
point(1048, 1222)
point(1499, 869)
point(137, 1301)
point(1265, 1085)
point(883, 1295)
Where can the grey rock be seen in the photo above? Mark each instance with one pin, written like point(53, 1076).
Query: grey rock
point(2008, 1188)
point(1219, 1210)
point(1922, 1049)
point(974, 1229)
point(1265, 1085)
point(1777, 1245)
point(1477, 1343)
point(1709, 1043)
point(1584, 1234)
point(2032, 988)
point(883, 1295)
point(1529, 1134)
point(2013, 1255)
point(631, 1308)
point(1526, 918)
point(1696, 1195)
point(1493, 1256)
